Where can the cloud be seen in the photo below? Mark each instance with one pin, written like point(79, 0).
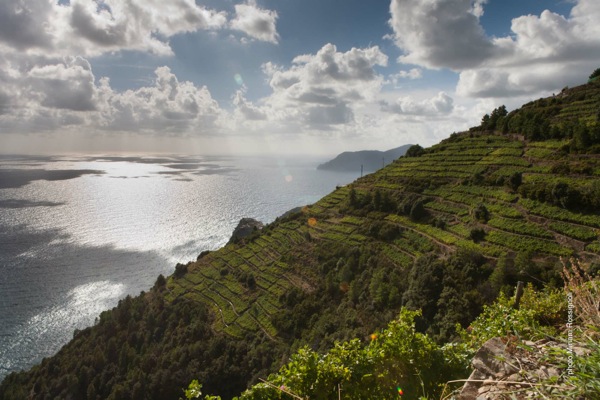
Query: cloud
point(68, 85)
point(245, 109)
point(414, 73)
point(439, 105)
point(90, 28)
point(477, 8)
point(325, 88)
point(167, 107)
point(255, 22)
point(51, 94)
point(439, 34)
point(23, 24)
point(543, 53)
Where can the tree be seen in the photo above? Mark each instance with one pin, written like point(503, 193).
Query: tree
point(481, 213)
point(595, 74)
point(415, 151)
point(485, 122)
point(515, 180)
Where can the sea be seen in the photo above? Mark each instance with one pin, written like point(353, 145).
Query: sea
point(78, 233)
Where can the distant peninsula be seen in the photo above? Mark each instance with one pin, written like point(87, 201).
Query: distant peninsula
point(371, 160)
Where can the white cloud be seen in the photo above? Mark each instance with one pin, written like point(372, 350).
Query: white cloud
point(414, 73)
point(477, 8)
point(438, 34)
point(92, 28)
point(133, 25)
point(255, 22)
point(245, 109)
point(325, 88)
point(68, 85)
point(169, 107)
point(54, 94)
point(439, 105)
point(543, 54)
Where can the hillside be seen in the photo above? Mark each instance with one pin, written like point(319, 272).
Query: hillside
point(369, 160)
point(444, 232)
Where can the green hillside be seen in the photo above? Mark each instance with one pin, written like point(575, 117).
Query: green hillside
point(445, 230)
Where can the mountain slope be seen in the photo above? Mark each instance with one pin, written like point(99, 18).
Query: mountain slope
point(369, 160)
point(444, 232)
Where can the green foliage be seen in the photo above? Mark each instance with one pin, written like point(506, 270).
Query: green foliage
point(520, 227)
point(194, 391)
point(574, 231)
point(481, 213)
point(415, 151)
point(477, 235)
point(399, 356)
point(595, 74)
point(540, 313)
point(495, 120)
point(586, 370)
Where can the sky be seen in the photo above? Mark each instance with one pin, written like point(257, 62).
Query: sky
point(277, 76)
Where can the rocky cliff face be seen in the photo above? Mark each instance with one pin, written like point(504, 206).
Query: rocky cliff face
point(245, 227)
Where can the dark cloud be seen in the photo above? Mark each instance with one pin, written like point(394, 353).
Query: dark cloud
point(4, 103)
point(85, 24)
point(22, 24)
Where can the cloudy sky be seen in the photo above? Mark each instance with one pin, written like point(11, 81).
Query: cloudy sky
point(277, 76)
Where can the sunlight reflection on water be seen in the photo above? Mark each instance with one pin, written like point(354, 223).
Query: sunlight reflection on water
point(73, 247)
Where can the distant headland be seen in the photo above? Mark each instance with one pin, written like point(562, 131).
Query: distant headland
point(370, 160)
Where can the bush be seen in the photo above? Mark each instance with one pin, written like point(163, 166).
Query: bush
point(415, 151)
point(398, 357)
point(180, 270)
point(481, 213)
point(477, 234)
point(540, 314)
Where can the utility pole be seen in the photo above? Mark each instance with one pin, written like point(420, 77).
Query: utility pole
point(361, 170)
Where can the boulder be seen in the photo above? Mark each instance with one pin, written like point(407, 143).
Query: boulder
point(245, 227)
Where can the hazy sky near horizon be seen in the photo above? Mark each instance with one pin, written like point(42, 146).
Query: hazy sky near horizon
point(277, 76)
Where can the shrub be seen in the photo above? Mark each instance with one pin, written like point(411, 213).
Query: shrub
point(481, 213)
point(415, 151)
point(477, 234)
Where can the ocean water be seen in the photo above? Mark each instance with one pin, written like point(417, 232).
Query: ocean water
point(79, 233)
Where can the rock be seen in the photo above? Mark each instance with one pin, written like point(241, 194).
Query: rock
point(245, 227)
point(580, 351)
point(290, 212)
point(491, 359)
point(552, 371)
point(470, 389)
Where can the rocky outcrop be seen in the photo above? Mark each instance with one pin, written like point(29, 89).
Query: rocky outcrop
point(506, 369)
point(245, 227)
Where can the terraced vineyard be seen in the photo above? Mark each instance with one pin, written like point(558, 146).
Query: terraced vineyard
point(463, 174)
